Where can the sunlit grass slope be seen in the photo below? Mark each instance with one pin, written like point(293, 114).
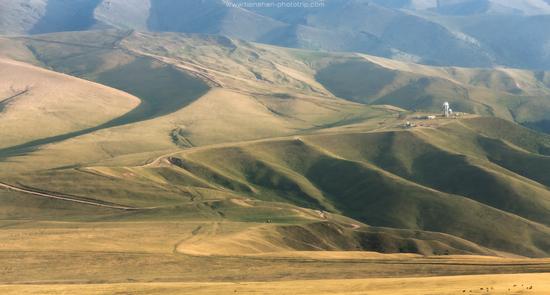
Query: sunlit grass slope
point(38, 103)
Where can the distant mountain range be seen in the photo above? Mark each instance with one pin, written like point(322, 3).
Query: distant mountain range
point(472, 7)
point(471, 33)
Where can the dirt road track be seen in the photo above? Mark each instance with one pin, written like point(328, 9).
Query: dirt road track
point(68, 198)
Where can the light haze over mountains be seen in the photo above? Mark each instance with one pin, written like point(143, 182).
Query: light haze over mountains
point(471, 33)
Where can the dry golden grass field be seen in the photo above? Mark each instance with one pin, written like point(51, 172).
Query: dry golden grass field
point(536, 284)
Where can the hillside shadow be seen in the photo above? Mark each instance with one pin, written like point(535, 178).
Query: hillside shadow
point(541, 126)
point(162, 90)
point(62, 15)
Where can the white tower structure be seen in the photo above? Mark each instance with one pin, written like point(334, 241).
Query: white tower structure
point(446, 109)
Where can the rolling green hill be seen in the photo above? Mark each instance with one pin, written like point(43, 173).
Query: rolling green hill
point(450, 179)
point(399, 179)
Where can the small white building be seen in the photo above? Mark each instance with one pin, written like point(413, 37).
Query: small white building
point(447, 111)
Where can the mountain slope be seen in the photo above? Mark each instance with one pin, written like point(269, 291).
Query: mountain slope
point(470, 7)
point(455, 33)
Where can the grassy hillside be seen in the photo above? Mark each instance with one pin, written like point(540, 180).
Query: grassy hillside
point(350, 159)
point(56, 103)
point(207, 158)
point(399, 179)
point(517, 95)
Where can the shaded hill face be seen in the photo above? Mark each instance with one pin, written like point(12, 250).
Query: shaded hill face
point(454, 33)
point(500, 31)
point(63, 15)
